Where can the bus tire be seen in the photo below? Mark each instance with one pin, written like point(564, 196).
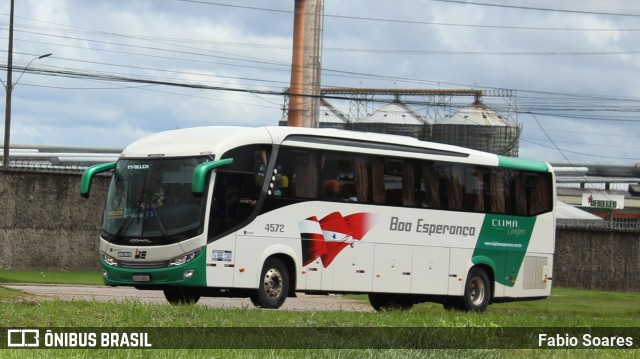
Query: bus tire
point(386, 302)
point(477, 290)
point(181, 295)
point(274, 285)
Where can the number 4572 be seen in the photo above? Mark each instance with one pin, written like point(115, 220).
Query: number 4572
point(274, 227)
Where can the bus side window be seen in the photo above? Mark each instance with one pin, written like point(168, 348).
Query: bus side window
point(538, 190)
point(520, 195)
point(306, 174)
point(475, 182)
point(431, 186)
point(515, 192)
point(497, 198)
point(409, 189)
point(362, 178)
point(296, 174)
point(377, 181)
point(451, 183)
point(237, 188)
point(330, 173)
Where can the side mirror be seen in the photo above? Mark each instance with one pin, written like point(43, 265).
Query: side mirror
point(89, 173)
point(200, 174)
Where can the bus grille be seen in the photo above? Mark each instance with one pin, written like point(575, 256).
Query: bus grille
point(143, 265)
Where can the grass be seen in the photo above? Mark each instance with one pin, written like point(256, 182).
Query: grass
point(565, 308)
point(50, 277)
point(563, 301)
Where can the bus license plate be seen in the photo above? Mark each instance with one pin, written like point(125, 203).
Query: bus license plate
point(142, 277)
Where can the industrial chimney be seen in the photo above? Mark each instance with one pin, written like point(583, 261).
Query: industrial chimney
point(304, 91)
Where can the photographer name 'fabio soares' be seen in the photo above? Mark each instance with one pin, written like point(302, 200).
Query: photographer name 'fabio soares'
point(584, 341)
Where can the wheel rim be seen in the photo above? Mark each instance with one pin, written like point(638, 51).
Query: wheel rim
point(273, 283)
point(477, 291)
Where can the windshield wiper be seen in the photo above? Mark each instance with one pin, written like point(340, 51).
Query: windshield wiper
point(149, 209)
point(133, 214)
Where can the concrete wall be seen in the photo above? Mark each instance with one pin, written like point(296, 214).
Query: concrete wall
point(45, 224)
point(597, 259)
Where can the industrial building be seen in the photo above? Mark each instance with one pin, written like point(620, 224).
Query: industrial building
point(606, 191)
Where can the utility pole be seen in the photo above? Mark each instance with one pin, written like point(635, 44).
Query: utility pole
point(297, 65)
point(8, 88)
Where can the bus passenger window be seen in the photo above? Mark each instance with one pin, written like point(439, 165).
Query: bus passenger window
point(361, 179)
point(497, 192)
point(451, 183)
point(393, 182)
point(538, 188)
point(431, 186)
point(295, 175)
point(409, 189)
point(520, 195)
point(377, 177)
point(475, 183)
point(237, 188)
point(331, 186)
point(280, 183)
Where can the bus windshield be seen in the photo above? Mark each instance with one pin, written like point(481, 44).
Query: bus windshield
point(150, 202)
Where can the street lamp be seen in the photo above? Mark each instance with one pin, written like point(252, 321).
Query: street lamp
point(7, 114)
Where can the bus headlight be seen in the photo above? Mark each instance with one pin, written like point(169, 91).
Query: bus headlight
point(109, 260)
point(185, 258)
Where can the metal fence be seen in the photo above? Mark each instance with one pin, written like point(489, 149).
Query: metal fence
point(47, 167)
point(58, 159)
point(596, 225)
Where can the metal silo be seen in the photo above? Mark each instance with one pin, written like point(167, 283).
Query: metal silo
point(395, 118)
point(330, 117)
point(479, 127)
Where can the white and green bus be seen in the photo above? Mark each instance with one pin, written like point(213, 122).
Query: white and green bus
point(266, 213)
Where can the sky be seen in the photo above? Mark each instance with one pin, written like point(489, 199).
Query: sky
point(571, 66)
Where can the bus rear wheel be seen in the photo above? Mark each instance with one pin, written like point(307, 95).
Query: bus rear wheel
point(477, 290)
point(274, 285)
point(181, 295)
point(477, 293)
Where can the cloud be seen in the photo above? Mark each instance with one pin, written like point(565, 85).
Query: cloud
point(372, 43)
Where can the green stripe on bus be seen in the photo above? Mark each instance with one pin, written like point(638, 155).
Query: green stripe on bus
point(502, 245)
point(522, 164)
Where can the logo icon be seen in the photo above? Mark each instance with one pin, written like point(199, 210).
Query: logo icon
point(22, 338)
point(327, 237)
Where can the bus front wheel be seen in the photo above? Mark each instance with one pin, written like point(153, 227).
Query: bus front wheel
point(274, 285)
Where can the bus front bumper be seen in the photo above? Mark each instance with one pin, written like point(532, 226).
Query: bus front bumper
point(189, 274)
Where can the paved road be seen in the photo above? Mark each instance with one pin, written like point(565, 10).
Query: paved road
point(103, 293)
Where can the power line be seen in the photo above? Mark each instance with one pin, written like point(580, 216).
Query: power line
point(563, 151)
point(159, 81)
point(422, 22)
point(571, 11)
